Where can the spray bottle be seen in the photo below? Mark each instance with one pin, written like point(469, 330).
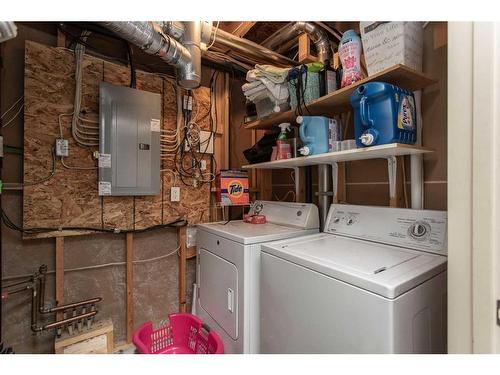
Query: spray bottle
point(284, 149)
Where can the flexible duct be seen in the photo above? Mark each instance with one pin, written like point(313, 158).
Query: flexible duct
point(318, 36)
point(144, 35)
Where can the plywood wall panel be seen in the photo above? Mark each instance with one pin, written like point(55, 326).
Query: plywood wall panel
point(71, 198)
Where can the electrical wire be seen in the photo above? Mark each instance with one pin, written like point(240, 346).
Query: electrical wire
point(215, 35)
point(20, 186)
point(30, 231)
point(85, 268)
point(14, 116)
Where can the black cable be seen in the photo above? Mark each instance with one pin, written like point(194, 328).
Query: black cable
point(9, 224)
point(133, 79)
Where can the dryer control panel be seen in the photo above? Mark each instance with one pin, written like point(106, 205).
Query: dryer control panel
point(413, 229)
point(300, 215)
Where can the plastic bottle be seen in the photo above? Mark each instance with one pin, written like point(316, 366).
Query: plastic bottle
point(328, 79)
point(284, 149)
point(350, 55)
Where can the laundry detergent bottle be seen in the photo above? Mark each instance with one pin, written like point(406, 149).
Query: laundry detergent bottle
point(313, 132)
point(383, 113)
point(284, 150)
point(350, 56)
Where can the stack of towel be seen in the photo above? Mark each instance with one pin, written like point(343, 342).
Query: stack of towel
point(266, 81)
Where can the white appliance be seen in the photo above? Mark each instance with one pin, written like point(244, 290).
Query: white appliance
point(229, 265)
point(373, 282)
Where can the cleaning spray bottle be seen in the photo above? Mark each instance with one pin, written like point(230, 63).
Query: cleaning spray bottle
point(284, 149)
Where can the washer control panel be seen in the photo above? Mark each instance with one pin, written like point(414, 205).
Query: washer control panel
point(414, 229)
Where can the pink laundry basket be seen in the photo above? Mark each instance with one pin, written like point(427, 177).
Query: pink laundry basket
point(184, 334)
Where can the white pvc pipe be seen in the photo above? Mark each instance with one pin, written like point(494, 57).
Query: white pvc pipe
point(416, 161)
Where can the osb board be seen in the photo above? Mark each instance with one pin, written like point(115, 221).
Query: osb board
point(195, 202)
point(70, 198)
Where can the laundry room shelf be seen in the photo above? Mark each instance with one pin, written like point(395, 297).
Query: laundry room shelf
point(338, 101)
point(375, 152)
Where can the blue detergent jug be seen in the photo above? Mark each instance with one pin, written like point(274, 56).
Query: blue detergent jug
point(383, 113)
point(313, 132)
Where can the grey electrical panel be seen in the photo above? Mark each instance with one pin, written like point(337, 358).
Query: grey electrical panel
point(129, 141)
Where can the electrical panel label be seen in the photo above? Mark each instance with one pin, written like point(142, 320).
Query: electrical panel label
point(104, 160)
point(104, 188)
point(155, 125)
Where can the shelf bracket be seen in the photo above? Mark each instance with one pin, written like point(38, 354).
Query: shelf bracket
point(296, 178)
point(392, 165)
point(335, 180)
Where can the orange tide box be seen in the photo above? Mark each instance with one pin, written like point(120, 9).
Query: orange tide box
point(232, 188)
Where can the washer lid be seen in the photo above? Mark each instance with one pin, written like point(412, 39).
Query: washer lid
point(386, 270)
point(247, 233)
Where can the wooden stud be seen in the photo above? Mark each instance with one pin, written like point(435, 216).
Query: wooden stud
point(130, 286)
point(61, 39)
point(341, 186)
point(439, 34)
point(305, 50)
point(181, 233)
point(59, 274)
point(398, 200)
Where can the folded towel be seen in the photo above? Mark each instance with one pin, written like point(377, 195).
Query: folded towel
point(273, 73)
point(255, 90)
point(251, 85)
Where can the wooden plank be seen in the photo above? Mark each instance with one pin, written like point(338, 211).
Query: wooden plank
point(96, 340)
point(130, 286)
point(237, 28)
point(61, 39)
point(440, 34)
point(181, 233)
point(305, 50)
point(339, 101)
point(59, 275)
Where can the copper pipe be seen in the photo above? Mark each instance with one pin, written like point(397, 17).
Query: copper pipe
point(72, 305)
point(63, 322)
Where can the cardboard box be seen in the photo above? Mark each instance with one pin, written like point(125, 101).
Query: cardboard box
point(386, 44)
point(232, 188)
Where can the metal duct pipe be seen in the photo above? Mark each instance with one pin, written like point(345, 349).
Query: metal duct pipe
point(172, 28)
point(190, 75)
point(248, 47)
point(144, 35)
point(318, 36)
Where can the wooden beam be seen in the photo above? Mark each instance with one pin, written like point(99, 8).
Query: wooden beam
point(237, 28)
point(130, 286)
point(59, 274)
point(181, 233)
point(305, 50)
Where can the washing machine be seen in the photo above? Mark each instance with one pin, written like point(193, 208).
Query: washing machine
point(228, 268)
point(373, 282)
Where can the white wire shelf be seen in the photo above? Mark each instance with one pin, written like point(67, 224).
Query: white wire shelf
point(374, 152)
